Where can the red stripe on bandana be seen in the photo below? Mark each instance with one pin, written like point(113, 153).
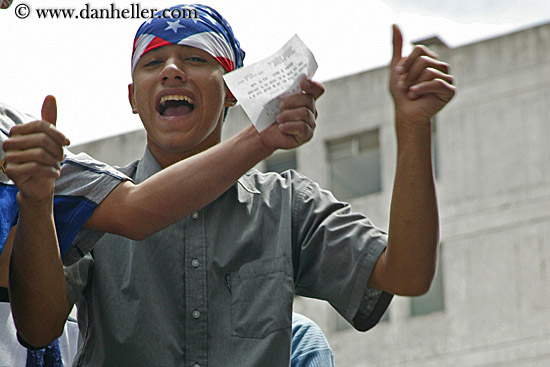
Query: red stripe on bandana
point(156, 43)
point(227, 64)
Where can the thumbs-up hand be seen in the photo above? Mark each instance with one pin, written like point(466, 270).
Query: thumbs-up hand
point(34, 152)
point(420, 83)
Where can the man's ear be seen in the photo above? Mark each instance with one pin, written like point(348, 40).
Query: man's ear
point(230, 99)
point(132, 98)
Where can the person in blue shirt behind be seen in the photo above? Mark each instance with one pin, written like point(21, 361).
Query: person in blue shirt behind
point(310, 347)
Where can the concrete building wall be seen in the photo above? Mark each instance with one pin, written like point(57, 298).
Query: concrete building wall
point(117, 150)
point(493, 183)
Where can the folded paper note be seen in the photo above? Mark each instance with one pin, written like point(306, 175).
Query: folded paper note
point(260, 87)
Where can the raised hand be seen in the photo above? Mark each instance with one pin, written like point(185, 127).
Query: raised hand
point(296, 121)
point(34, 152)
point(419, 83)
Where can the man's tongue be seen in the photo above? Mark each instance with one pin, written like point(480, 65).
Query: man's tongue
point(177, 110)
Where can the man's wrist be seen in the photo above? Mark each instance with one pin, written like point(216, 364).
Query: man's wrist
point(252, 139)
point(415, 121)
point(420, 125)
point(34, 205)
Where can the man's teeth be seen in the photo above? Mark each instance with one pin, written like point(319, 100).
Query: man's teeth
point(174, 97)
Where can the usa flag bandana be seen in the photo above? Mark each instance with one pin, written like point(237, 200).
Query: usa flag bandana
point(194, 25)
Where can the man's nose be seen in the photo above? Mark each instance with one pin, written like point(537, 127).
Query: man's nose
point(173, 72)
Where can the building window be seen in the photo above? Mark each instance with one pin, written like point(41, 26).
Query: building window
point(354, 165)
point(281, 162)
point(433, 301)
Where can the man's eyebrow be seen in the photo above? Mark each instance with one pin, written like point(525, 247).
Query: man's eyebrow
point(148, 56)
point(155, 50)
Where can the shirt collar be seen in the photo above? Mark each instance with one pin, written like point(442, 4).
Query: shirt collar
point(147, 167)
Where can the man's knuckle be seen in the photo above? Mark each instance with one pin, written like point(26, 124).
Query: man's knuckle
point(442, 83)
point(311, 104)
point(306, 114)
point(43, 139)
point(426, 61)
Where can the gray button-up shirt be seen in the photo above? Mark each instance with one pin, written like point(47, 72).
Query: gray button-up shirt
point(216, 288)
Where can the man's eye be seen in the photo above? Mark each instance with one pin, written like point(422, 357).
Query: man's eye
point(196, 59)
point(153, 63)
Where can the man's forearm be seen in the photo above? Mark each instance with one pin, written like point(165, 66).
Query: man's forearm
point(36, 281)
point(180, 189)
point(410, 260)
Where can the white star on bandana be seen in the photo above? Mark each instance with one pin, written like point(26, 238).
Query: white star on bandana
point(174, 26)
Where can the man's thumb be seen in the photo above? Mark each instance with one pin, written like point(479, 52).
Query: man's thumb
point(49, 110)
point(397, 45)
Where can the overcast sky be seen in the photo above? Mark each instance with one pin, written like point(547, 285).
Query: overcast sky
point(86, 63)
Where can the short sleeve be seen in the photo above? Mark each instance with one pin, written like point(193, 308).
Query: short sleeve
point(335, 250)
point(83, 185)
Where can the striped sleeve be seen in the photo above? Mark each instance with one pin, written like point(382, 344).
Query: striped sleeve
point(83, 185)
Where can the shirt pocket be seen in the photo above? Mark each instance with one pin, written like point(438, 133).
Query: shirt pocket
point(261, 297)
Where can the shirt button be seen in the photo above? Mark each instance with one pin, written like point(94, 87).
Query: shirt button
point(196, 314)
point(195, 215)
point(195, 263)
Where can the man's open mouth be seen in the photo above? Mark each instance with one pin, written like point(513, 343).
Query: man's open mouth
point(175, 105)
